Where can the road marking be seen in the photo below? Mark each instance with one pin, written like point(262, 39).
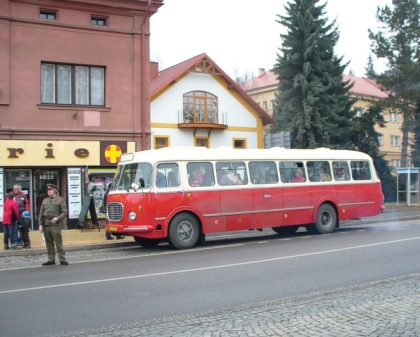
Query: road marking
point(208, 268)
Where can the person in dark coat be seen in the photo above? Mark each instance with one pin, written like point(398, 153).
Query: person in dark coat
point(24, 225)
point(22, 203)
point(10, 216)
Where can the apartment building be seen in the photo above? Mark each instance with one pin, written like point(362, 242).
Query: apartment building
point(74, 89)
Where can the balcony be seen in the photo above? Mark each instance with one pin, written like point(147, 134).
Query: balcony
point(210, 120)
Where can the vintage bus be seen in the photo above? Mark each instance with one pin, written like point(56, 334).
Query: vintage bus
point(179, 195)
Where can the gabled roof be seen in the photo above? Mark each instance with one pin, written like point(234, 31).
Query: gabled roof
point(362, 85)
point(167, 76)
point(365, 87)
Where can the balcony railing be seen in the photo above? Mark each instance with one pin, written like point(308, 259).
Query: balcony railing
point(202, 117)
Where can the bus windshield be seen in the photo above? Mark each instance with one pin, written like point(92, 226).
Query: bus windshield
point(131, 173)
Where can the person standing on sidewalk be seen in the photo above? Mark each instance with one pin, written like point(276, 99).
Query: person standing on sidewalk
point(22, 203)
point(10, 216)
point(52, 212)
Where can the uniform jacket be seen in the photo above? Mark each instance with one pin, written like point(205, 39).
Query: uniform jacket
point(10, 212)
point(51, 208)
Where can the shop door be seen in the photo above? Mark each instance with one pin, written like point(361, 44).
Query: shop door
point(21, 177)
point(42, 177)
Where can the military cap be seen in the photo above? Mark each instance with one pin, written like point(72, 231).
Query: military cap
point(52, 186)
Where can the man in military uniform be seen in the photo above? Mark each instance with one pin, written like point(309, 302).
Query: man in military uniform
point(51, 214)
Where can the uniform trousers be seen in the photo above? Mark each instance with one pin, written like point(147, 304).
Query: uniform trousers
point(53, 240)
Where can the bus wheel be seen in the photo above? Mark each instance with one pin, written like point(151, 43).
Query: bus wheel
point(147, 242)
point(286, 230)
point(184, 231)
point(326, 219)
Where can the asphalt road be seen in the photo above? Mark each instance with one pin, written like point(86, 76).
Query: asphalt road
point(113, 289)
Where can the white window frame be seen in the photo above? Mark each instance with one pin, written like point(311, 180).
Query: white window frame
point(395, 140)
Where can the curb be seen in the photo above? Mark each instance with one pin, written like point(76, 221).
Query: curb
point(72, 248)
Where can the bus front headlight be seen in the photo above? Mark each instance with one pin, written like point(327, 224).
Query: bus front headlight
point(132, 216)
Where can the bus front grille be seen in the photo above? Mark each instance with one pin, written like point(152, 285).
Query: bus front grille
point(115, 211)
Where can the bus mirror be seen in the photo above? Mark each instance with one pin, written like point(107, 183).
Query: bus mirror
point(141, 182)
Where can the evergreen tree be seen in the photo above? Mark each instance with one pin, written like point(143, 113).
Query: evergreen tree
point(370, 69)
point(399, 42)
point(312, 101)
point(367, 140)
point(415, 154)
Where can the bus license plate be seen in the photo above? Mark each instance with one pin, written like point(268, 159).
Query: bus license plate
point(113, 229)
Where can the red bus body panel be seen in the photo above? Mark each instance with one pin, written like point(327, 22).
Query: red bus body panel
point(248, 208)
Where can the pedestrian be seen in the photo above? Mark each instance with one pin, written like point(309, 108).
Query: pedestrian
point(10, 216)
point(24, 224)
point(22, 202)
point(52, 212)
point(108, 234)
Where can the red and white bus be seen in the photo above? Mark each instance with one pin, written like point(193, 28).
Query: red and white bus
point(182, 194)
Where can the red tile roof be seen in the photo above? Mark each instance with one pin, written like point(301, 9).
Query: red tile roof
point(265, 80)
point(167, 76)
point(365, 87)
point(362, 86)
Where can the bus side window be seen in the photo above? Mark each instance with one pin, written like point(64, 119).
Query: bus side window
point(341, 170)
point(167, 175)
point(231, 173)
point(291, 171)
point(360, 170)
point(173, 178)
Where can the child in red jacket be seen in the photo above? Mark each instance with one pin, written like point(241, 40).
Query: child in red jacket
point(10, 216)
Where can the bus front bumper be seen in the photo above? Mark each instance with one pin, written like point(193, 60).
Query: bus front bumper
point(131, 229)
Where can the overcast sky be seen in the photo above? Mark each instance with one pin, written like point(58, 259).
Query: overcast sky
point(242, 36)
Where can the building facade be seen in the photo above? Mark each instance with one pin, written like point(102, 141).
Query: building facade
point(74, 91)
point(195, 103)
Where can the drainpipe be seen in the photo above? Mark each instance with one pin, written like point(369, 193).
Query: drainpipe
point(144, 64)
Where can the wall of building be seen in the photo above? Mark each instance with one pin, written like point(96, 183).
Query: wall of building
point(166, 109)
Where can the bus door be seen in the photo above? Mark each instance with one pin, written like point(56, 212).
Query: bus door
point(168, 189)
point(202, 196)
point(297, 206)
point(235, 199)
point(344, 190)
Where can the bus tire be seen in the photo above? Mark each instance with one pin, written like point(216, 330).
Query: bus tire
point(184, 231)
point(147, 242)
point(286, 230)
point(326, 219)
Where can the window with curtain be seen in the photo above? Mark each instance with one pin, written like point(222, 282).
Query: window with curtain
point(72, 84)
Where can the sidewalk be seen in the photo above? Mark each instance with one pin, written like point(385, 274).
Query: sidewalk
point(75, 239)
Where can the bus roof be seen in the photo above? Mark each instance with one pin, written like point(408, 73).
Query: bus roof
point(194, 153)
